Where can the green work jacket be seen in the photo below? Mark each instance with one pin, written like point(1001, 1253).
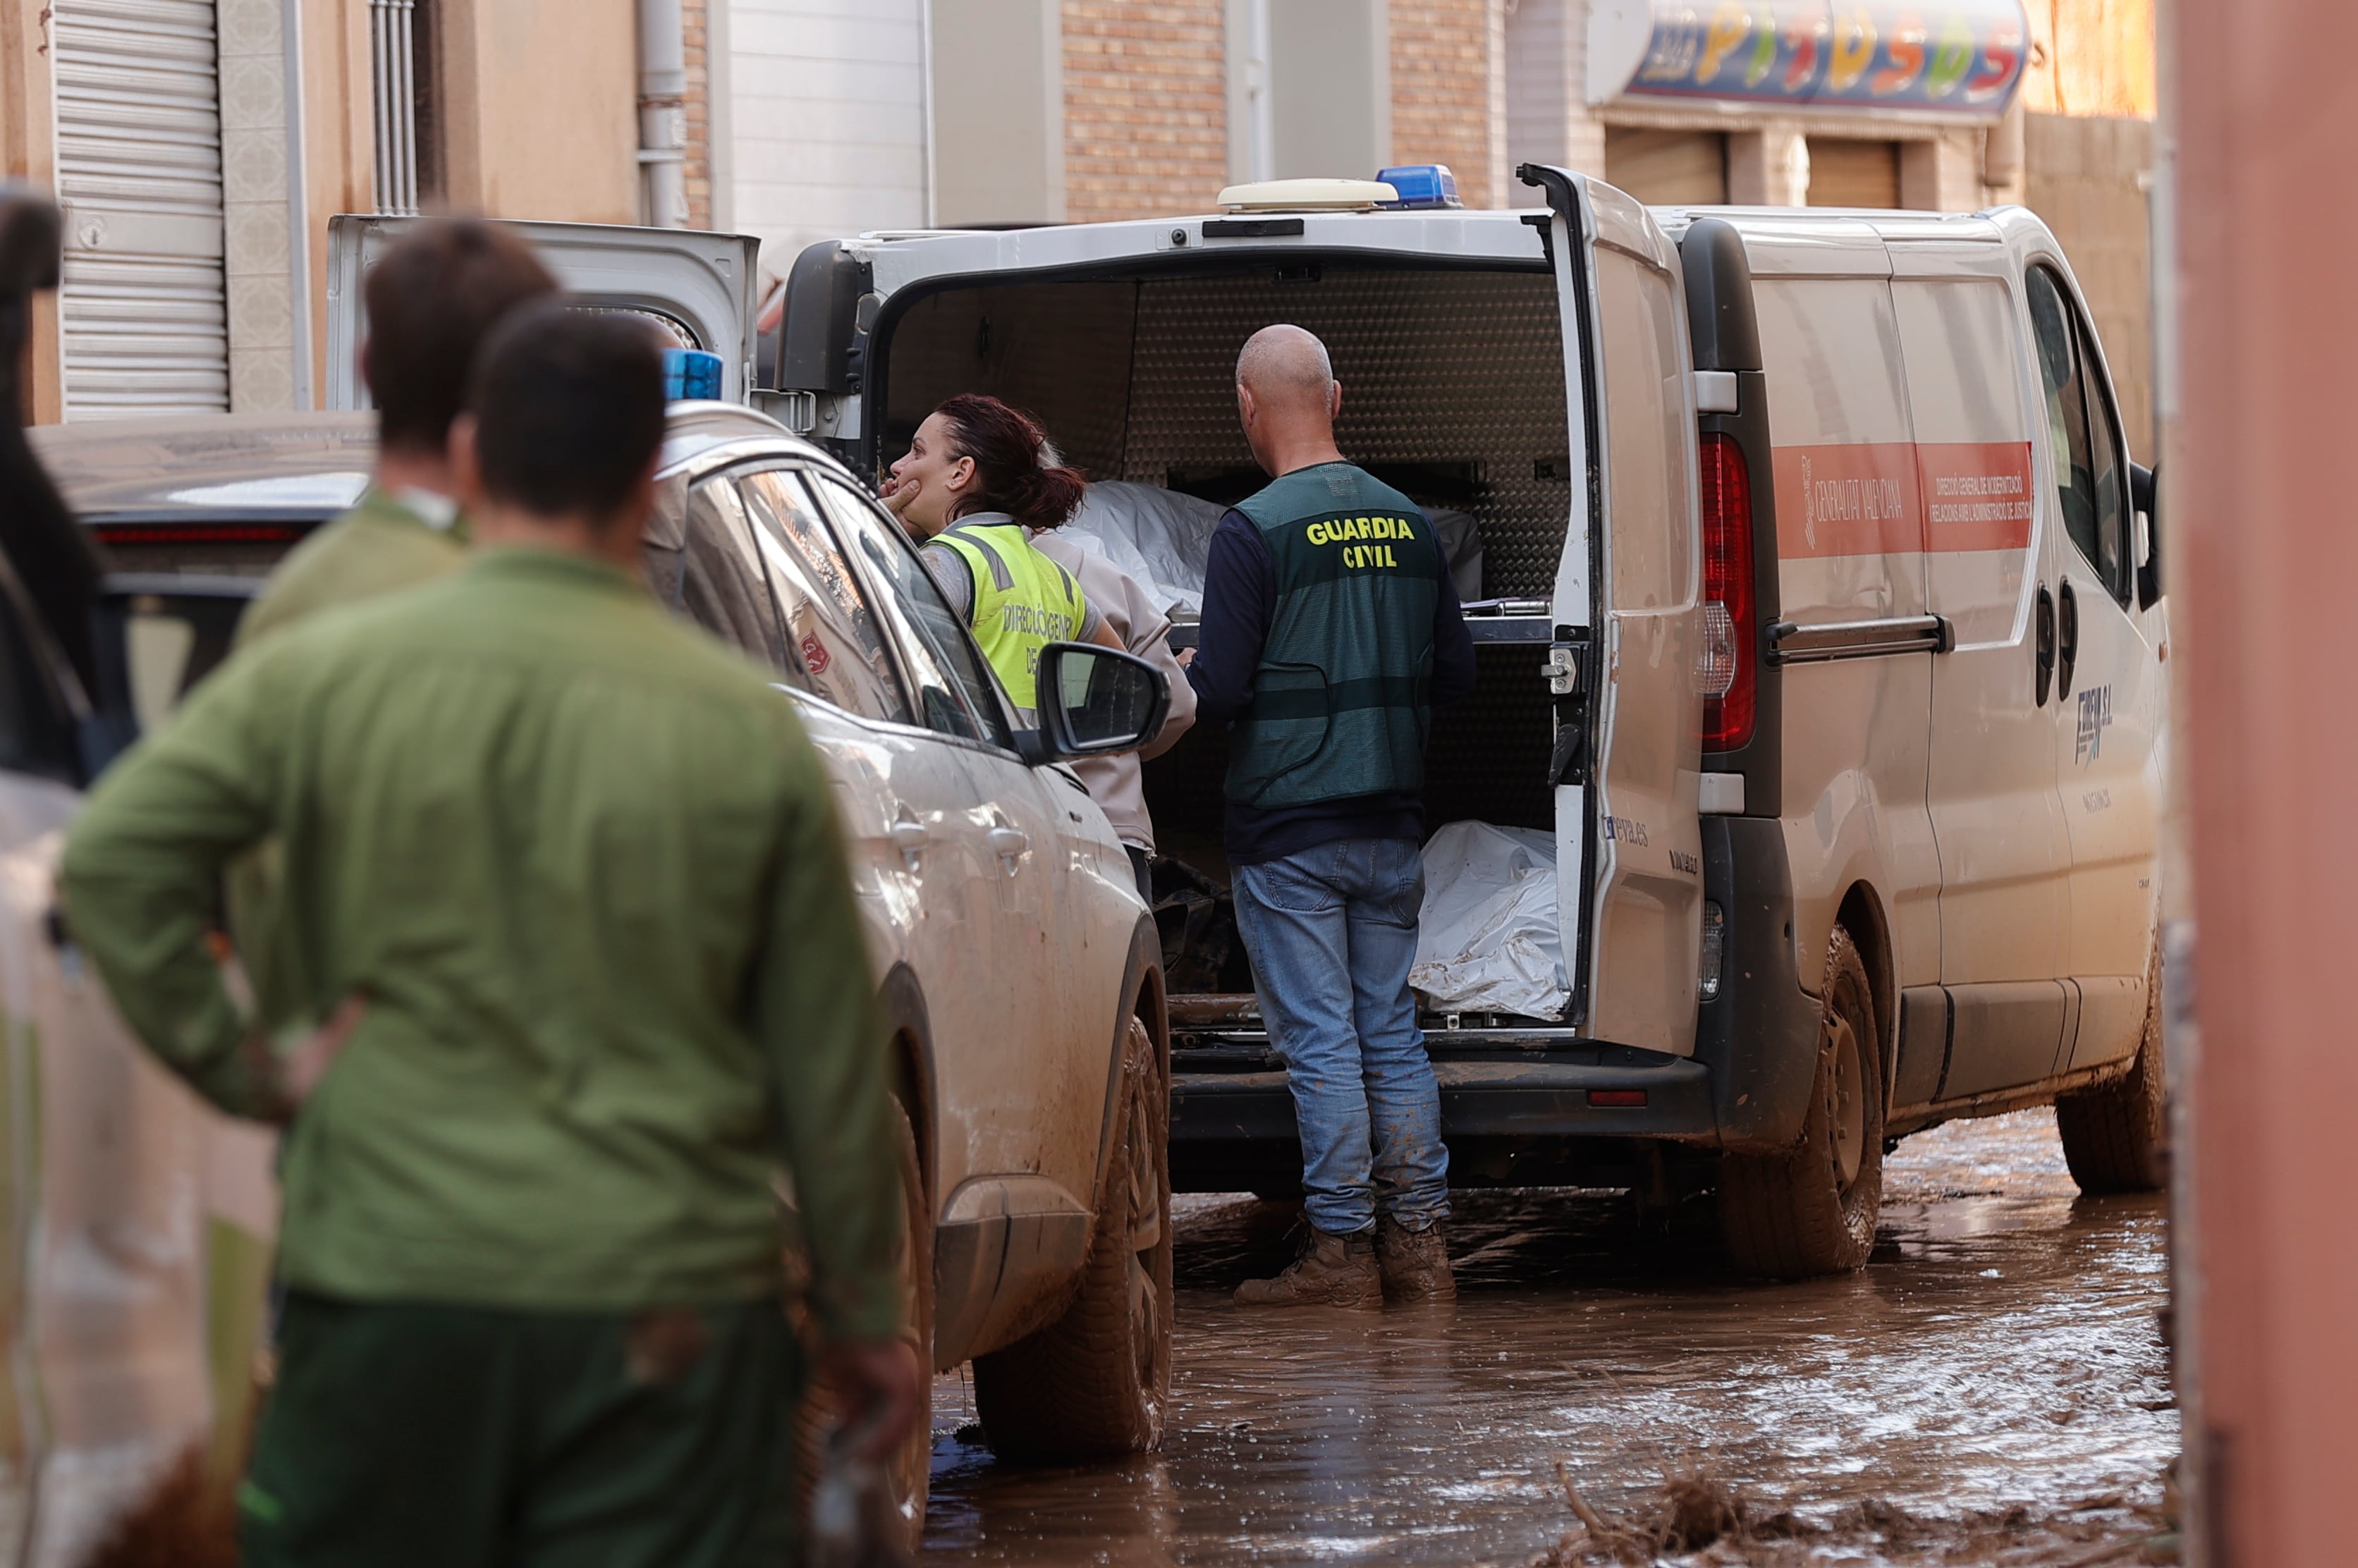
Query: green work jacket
point(380, 546)
point(584, 863)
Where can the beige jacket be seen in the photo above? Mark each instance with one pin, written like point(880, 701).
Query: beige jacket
point(1117, 783)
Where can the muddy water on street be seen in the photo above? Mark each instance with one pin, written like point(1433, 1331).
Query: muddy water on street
point(2001, 1350)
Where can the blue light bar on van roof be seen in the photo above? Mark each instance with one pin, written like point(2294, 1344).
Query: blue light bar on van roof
point(1420, 184)
point(690, 373)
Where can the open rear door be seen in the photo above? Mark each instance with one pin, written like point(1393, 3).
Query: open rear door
point(1628, 625)
point(702, 285)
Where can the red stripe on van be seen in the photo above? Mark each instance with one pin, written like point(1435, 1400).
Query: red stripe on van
point(1892, 498)
point(1855, 500)
point(1977, 494)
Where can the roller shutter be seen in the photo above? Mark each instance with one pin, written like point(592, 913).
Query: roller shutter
point(145, 310)
point(1845, 173)
point(1667, 168)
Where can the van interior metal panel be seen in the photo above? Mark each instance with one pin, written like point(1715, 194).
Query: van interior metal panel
point(1453, 382)
point(1453, 390)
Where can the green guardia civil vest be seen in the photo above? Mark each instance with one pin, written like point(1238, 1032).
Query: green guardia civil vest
point(1342, 695)
point(1023, 602)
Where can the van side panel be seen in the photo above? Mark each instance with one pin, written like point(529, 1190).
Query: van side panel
point(1850, 548)
point(2004, 855)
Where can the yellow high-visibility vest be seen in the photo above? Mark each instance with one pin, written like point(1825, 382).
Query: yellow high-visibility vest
point(1023, 602)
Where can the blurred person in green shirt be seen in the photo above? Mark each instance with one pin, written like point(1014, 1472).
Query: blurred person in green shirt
point(433, 297)
point(579, 920)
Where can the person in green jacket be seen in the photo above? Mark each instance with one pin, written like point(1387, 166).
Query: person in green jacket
point(580, 918)
point(433, 297)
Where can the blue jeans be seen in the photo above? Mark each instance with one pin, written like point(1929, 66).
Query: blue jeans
point(1332, 931)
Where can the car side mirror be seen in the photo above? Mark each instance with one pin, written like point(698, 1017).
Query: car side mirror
point(1093, 702)
point(2145, 498)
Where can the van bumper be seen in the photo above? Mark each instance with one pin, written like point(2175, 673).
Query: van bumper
point(1530, 1117)
point(1759, 1039)
point(1534, 1120)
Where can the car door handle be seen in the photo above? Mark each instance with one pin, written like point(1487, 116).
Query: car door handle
point(2068, 638)
point(909, 837)
point(1006, 843)
point(2044, 645)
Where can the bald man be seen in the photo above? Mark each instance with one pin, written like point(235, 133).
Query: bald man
point(1331, 629)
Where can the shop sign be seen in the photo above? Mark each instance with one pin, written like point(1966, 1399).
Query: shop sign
point(1957, 57)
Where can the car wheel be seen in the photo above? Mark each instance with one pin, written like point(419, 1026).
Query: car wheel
point(1811, 1209)
point(911, 1466)
point(2116, 1138)
point(1094, 1384)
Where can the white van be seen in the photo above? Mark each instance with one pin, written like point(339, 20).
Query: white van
point(1818, 627)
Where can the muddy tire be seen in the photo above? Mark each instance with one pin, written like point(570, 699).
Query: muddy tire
point(1812, 1210)
point(2116, 1138)
point(912, 1465)
point(1095, 1383)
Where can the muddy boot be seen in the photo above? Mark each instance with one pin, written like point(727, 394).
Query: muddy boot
point(1333, 1270)
point(1415, 1263)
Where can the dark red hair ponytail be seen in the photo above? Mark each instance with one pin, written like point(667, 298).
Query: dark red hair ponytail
point(1007, 446)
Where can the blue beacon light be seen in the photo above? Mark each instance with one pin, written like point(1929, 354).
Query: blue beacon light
point(1420, 185)
point(690, 373)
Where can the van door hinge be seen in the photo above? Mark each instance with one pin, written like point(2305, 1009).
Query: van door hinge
point(1563, 669)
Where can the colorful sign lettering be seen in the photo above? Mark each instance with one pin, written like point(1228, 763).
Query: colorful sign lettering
point(1957, 57)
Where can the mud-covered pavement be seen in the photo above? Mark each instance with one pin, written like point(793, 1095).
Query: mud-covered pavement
point(1992, 1389)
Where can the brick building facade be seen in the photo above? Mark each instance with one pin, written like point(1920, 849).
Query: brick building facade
point(1145, 95)
point(1449, 92)
point(813, 118)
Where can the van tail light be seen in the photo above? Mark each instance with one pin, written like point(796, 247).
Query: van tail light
point(1728, 670)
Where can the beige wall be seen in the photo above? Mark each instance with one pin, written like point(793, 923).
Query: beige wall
point(2091, 56)
point(998, 111)
point(2085, 179)
point(543, 100)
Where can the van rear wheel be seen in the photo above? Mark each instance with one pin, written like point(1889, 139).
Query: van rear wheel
point(2116, 1138)
point(1811, 1209)
point(1095, 1383)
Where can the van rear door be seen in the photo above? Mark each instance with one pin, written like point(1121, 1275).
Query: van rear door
point(1628, 616)
point(700, 286)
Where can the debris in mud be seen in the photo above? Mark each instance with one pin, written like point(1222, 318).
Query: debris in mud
point(1697, 1510)
point(1701, 1520)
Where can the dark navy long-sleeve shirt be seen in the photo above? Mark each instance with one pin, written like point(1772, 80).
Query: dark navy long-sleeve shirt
point(1239, 596)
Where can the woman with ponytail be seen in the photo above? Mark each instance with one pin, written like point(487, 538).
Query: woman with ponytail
point(973, 489)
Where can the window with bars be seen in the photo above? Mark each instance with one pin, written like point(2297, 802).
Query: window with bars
point(404, 61)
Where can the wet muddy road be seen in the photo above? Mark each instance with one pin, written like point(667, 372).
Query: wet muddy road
point(1992, 1389)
